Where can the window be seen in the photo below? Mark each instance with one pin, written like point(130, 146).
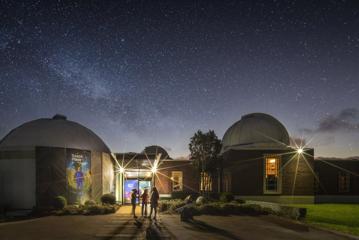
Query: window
point(206, 182)
point(271, 174)
point(177, 181)
point(343, 182)
point(227, 182)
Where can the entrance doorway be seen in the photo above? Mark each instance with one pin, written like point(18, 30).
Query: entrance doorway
point(140, 185)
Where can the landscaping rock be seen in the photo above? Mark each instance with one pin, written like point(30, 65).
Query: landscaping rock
point(200, 200)
point(188, 199)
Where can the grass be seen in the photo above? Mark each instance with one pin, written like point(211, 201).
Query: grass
point(339, 217)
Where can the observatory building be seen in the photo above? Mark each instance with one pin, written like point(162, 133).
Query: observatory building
point(259, 164)
point(48, 157)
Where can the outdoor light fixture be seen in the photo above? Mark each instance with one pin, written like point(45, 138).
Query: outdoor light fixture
point(300, 150)
point(154, 169)
point(122, 170)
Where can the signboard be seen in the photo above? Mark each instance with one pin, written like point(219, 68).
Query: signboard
point(78, 171)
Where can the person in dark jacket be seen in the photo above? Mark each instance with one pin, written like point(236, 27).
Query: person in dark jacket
point(133, 202)
point(154, 201)
point(144, 198)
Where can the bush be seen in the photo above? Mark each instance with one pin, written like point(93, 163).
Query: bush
point(170, 205)
point(241, 201)
point(250, 209)
point(211, 209)
point(226, 197)
point(214, 196)
point(90, 203)
point(59, 202)
point(108, 199)
point(95, 210)
point(72, 210)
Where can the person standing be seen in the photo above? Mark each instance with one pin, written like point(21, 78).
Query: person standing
point(144, 198)
point(133, 202)
point(154, 201)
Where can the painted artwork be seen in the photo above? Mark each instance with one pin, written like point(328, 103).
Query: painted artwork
point(78, 171)
point(129, 185)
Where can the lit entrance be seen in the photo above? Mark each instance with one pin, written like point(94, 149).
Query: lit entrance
point(136, 179)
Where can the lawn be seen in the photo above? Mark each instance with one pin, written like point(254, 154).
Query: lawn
point(339, 217)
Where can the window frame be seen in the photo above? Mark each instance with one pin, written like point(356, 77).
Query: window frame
point(174, 183)
point(279, 174)
point(347, 182)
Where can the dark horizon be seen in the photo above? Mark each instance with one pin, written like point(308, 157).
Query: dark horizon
point(143, 73)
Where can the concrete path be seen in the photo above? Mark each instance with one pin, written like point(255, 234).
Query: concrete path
point(123, 226)
point(240, 227)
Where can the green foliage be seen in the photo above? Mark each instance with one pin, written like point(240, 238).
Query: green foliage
point(231, 209)
point(241, 201)
point(90, 203)
point(59, 202)
point(204, 148)
point(183, 195)
point(72, 210)
point(226, 197)
point(170, 205)
point(211, 209)
point(213, 196)
point(108, 199)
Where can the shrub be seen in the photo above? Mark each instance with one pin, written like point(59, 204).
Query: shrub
point(108, 199)
point(249, 209)
point(72, 210)
point(226, 197)
point(211, 209)
point(59, 202)
point(183, 195)
point(90, 203)
point(95, 210)
point(170, 205)
point(214, 196)
point(241, 201)
point(229, 208)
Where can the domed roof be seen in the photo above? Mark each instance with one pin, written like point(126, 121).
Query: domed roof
point(54, 132)
point(256, 131)
point(154, 150)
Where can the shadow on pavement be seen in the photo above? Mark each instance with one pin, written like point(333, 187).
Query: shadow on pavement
point(202, 226)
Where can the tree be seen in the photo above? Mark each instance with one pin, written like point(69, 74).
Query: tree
point(204, 148)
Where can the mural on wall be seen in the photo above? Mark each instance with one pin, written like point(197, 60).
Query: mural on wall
point(78, 170)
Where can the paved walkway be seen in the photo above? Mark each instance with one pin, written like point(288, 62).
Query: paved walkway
point(123, 226)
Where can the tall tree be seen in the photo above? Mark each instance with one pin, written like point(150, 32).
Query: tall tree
point(204, 148)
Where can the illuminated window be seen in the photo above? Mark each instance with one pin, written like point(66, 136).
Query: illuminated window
point(227, 182)
point(272, 174)
point(177, 181)
point(343, 182)
point(206, 182)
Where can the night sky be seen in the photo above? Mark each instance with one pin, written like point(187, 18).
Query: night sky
point(146, 72)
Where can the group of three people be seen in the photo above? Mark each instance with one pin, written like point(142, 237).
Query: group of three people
point(144, 200)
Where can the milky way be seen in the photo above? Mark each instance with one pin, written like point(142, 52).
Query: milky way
point(147, 72)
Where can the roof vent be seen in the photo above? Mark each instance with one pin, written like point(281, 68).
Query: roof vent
point(59, 117)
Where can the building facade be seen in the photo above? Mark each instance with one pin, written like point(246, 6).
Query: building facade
point(51, 157)
point(48, 157)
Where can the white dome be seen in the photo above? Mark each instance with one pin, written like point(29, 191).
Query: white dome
point(256, 131)
point(55, 132)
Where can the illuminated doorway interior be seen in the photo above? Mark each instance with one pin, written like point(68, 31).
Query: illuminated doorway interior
point(272, 178)
point(135, 179)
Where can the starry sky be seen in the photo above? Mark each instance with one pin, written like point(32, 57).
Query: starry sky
point(140, 73)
